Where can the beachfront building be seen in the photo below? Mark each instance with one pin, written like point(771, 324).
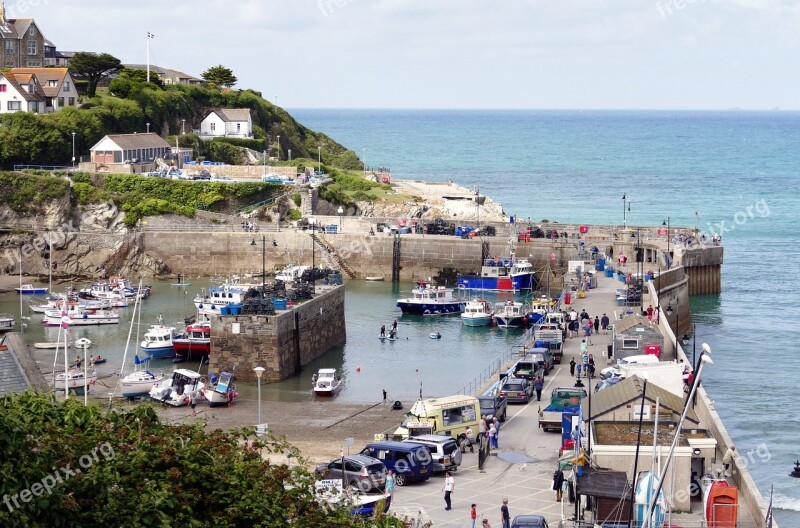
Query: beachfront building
point(227, 122)
point(167, 75)
point(21, 42)
point(54, 87)
point(127, 153)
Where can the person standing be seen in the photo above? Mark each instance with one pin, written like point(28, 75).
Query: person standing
point(604, 323)
point(483, 428)
point(193, 402)
point(558, 481)
point(572, 366)
point(383, 330)
point(727, 459)
point(449, 487)
point(496, 424)
point(650, 312)
point(390, 484)
point(596, 324)
point(505, 516)
point(580, 366)
point(473, 514)
point(492, 437)
point(538, 385)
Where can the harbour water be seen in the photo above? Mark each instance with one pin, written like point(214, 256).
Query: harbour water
point(731, 172)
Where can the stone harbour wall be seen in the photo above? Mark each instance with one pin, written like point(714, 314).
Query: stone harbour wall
point(280, 343)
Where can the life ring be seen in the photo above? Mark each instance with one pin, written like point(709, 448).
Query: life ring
point(200, 306)
point(213, 307)
point(85, 316)
point(397, 405)
point(427, 312)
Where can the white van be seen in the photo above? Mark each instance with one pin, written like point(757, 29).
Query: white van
point(449, 415)
point(644, 359)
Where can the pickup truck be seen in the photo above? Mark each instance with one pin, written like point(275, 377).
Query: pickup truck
point(562, 400)
point(494, 405)
point(549, 335)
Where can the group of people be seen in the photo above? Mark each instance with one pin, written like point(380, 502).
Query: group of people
point(585, 367)
point(392, 330)
point(505, 515)
point(584, 322)
point(249, 226)
point(489, 428)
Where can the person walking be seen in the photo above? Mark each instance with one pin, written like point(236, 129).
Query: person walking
point(538, 385)
point(572, 366)
point(558, 481)
point(580, 366)
point(727, 460)
point(193, 402)
point(390, 484)
point(650, 312)
point(473, 514)
point(596, 324)
point(449, 487)
point(492, 437)
point(505, 516)
point(604, 323)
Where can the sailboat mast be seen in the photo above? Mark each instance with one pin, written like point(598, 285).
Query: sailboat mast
point(636, 456)
point(50, 264)
point(66, 361)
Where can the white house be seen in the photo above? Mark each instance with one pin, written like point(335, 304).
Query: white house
point(227, 122)
point(129, 148)
point(37, 90)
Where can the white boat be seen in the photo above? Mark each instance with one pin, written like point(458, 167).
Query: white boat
point(217, 297)
point(177, 390)
point(76, 380)
point(79, 316)
point(49, 345)
point(430, 300)
point(511, 314)
point(30, 289)
point(83, 343)
point(291, 273)
point(6, 322)
point(222, 391)
point(158, 341)
point(477, 313)
point(141, 381)
point(326, 382)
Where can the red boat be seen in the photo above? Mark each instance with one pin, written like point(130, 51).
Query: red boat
point(721, 503)
point(195, 343)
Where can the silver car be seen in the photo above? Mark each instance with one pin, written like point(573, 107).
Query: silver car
point(358, 471)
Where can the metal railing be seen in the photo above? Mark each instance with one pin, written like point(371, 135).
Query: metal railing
point(216, 228)
point(18, 168)
point(474, 386)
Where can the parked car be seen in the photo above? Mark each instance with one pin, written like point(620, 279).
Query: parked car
point(528, 521)
point(444, 449)
point(517, 390)
point(409, 462)
point(494, 406)
point(201, 174)
point(359, 471)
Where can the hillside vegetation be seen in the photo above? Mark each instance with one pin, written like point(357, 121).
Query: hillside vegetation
point(46, 139)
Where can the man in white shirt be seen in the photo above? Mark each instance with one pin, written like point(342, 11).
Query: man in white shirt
point(449, 486)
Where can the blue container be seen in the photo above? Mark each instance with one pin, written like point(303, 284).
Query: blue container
point(609, 272)
point(279, 304)
point(235, 309)
point(459, 232)
point(225, 310)
point(601, 264)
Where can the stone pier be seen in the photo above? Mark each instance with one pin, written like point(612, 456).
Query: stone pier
point(281, 343)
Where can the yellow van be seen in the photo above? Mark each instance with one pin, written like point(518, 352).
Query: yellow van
point(449, 415)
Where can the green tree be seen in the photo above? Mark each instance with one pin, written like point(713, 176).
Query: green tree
point(93, 67)
point(220, 76)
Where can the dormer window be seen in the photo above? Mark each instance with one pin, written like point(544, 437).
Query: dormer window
point(32, 31)
point(52, 83)
point(30, 88)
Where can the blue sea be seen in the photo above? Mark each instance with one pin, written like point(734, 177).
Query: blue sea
point(730, 172)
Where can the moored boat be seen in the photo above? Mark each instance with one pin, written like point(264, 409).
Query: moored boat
point(158, 341)
point(6, 322)
point(30, 289)
point(326, 382)
point(217, 297)
point(195, 342)
point(477, 313)
point(222, 390)
point(79, 316)
point(511, 314)
point(429, 300)
point(291, 273)
point(76, 380)
point(502, 274)
point(177, 389)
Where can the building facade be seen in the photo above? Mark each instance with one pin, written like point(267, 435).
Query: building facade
point(227, 122)
point(37, 90)
point(22, 44)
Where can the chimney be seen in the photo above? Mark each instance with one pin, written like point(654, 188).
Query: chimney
point(2, 12)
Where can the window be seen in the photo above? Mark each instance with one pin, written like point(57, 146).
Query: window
point(72, 101)
point(32, 32)
point(49, 102)
point(60, 102)
point(13, 105)
point(9, 46)
point(10, 63)
point(66, 86)
point(238, 128)
point(213, 127)
point(31, 47)
point(33, 64)
point(630, 343)
point(3, 87)
point(30, 87)
point(52, 83)
point(34, 106)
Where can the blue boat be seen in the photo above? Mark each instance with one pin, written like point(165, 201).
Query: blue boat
point(430, 300)
point(30, 289)
point(503, 274)
point(158, 341)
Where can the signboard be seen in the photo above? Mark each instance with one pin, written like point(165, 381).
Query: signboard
point(573, 265)
point(261, 429)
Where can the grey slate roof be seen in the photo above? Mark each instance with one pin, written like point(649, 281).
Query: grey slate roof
point(629, 322)
point(629, 392)
point(137, 141)
point(18, 368)
point(230, 115)
point(12, 378)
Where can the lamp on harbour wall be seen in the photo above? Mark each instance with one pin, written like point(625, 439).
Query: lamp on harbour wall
point(669, 255)
point(341, 212)
point(259, 371)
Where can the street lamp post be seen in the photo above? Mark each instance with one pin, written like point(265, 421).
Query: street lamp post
point(313, 253)
point(624, 218)
point(148, 128)
point(279, 148)
point(183, 126)
point(341, 212)
point(669, 255)
point(73, 150)
point(259, 371)
point(319, 160)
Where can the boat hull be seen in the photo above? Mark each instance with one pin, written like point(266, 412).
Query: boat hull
point(509, 284)
point(509, 322)
point(163, 352)
point(190, 349)
point(450, 308)
point(482, 320)
point(131, 388)
point(31, 291)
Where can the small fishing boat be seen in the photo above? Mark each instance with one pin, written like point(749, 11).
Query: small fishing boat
point(49, 345)
point(83, 343)
point(326, 382)
point(139, 382)
point(6, 322)
point(511, 314)
point(97, 360)
point(79, 316)
point(195, 342)
point(30, 289)
point(177, 390)
point(158, 341)
point(222, 390)
point(477, 313)
point(502, 274)
point(291, 273)
point(374, 278)
point(76, 381)
point(435, 335)
point(429, 301)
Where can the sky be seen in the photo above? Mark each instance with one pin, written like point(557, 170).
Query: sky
point(542, 54)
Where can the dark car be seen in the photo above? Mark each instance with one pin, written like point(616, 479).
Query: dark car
point(362, 472)
point(494, 406)
point(517, 390)
point(528, 521)
point(202, 174)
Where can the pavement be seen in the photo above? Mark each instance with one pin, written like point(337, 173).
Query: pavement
point(522, 468)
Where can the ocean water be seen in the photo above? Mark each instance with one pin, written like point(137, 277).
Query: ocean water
point(731, 172)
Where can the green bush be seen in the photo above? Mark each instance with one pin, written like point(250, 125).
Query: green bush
point(86, 193)
point(295, 214)
point(28, 193)
point(258, 145)
point(297, 199)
